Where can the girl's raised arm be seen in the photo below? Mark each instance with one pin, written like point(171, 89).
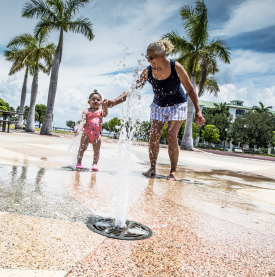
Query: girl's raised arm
point(139, 84)
point(104, 108)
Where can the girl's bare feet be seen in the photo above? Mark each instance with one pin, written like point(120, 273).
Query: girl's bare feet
point(172, 176)
point(151, 172)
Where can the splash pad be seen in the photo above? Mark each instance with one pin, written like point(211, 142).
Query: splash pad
point(119, 227)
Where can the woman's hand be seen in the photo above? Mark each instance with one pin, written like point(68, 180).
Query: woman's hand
point(199, 118)
point(111, 103)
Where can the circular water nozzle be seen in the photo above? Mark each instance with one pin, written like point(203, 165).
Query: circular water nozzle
point(106, 227)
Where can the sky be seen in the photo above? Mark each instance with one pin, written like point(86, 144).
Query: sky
point(123, 29)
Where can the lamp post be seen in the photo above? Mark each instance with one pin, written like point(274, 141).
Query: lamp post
point(224, 140)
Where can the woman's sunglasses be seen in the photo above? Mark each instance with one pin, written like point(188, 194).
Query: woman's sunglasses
point(151, 58)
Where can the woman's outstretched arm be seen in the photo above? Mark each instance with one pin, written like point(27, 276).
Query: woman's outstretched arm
point(139, 84)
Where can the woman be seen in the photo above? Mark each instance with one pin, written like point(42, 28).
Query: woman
point(169, 104)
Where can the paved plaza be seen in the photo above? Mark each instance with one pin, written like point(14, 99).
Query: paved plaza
point(218, 219)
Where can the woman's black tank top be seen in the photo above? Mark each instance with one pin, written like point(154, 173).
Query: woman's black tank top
point(168, 92)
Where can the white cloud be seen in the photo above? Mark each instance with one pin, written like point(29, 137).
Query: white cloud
point(250, 94)
point(117, 26)
point(253, 81)
point(250, 62)
point(250, 15)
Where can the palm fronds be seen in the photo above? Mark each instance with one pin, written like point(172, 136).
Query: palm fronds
point(27, 50)
point(73, 6)
point(198, 54)
point(211, 86)
point(38, 9)
point(83, 26)
point(262, 108)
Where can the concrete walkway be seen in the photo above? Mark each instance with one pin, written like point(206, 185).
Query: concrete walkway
point(216, 220)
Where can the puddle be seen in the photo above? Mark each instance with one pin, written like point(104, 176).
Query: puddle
point(194, 182)
point(73, 195)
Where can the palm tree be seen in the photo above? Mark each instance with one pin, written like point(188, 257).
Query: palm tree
point(20, 60)
point(261, 109)
point(221, 108)
point(57, 15)
point(196, 52)
point(36, 49)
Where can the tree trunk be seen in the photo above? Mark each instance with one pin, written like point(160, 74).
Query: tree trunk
point(47, 123)
point(187, 139)
point(19, 124)
point(31, 116)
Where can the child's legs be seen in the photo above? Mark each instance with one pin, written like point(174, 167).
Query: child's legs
point(96, 147)
point(84, 142)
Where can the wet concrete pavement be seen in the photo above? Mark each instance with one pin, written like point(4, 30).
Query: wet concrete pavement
point(217, 220)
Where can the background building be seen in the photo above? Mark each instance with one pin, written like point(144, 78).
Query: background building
point(236, 107)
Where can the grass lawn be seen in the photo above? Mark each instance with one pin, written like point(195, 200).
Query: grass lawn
point(56, 131)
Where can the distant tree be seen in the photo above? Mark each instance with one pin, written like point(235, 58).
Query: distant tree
point(21, 59)
point(197, 51)
point(4, 106)
point(57, 15)
point(28, 51)
point(105, 126)
point(261, 108)
point(221, 121)
point(164, 131)
point(195, 129)
point(114, 125)
point(12, 117)
point(211, 134)
point(273, 138)
point(144, 130)
point(220, 108)
point(40, 111)
point(26, 112)
point(253, 129)
point(70, 124)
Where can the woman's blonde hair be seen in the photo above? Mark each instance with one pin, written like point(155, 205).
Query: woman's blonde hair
point(163, 46)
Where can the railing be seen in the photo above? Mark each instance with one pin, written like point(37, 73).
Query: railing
point(237, 149)
point(258, 151)
point(63, 129)
point(212, 146)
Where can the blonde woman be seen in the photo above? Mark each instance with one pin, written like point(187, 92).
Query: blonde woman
point(169, 104)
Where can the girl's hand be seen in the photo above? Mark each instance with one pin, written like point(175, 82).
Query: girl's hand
point(105, 104)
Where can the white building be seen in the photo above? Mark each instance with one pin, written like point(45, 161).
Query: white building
point(236, 107)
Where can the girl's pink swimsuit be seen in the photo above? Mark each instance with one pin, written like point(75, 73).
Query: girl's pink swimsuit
point(93, 125)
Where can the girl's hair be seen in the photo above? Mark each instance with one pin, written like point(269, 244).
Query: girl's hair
point(163, 46)
point(95, 92)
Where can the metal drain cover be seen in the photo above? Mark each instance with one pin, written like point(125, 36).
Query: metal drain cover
point(106, 227)
point(70, 168)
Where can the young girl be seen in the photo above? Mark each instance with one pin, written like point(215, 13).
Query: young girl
point(92, 123)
